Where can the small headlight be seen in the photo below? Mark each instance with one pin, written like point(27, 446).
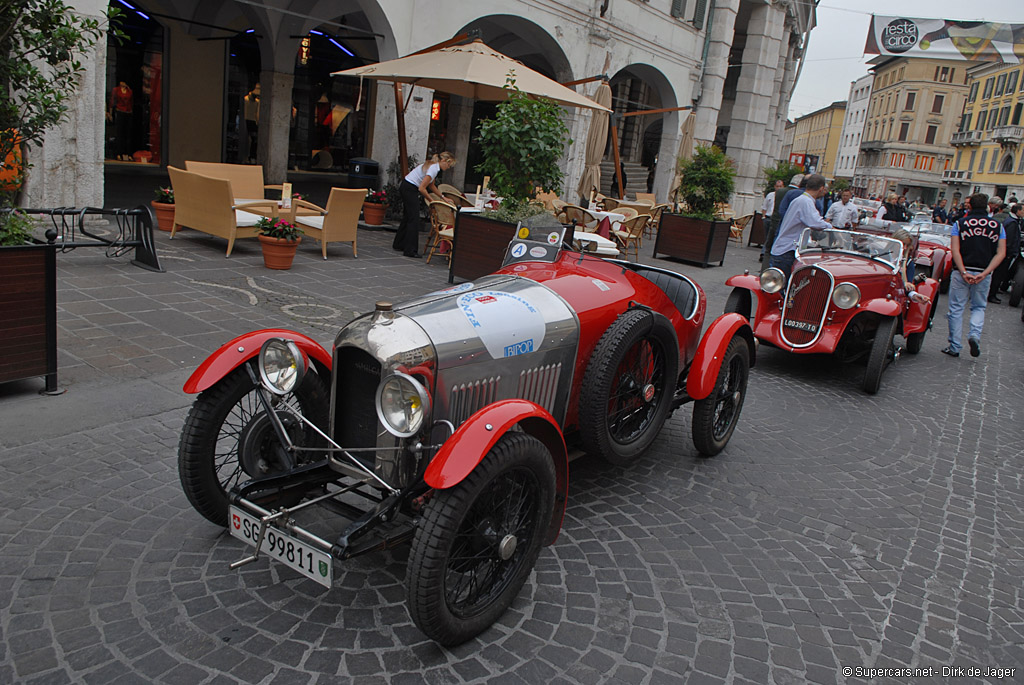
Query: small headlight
point(402, 404)
point(772, 280)
point(846, 296)
point(281, 365)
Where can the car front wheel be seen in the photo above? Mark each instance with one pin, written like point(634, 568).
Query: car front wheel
point(715, 417)
point(479, 540)
point(882, 353)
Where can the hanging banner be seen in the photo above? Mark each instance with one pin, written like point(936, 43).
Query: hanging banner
point(981, 41)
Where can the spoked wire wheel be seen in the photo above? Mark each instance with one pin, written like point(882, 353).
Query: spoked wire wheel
point(715, 417)
point(634, 400)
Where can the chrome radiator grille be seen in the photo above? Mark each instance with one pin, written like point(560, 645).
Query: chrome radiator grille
point(806, 305)
point(467, 398)
point(540, 385)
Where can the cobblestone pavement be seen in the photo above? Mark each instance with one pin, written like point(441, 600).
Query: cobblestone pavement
point(837, 530)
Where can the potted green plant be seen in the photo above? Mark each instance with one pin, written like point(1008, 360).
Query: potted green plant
point(706, 182)
point(163, 207)
point(374, 207)
point(279, 239)
point(522, 146)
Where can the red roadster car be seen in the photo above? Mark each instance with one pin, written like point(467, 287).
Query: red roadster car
point(449, 420)
point(845, 297)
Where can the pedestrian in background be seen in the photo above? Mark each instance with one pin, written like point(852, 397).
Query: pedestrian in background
point(978, 244)
point(781, 197)
point(1001, 277)
point(800, 214)
point(891, 209)
point(997, 210)
point(939, 215)
point(767, 210)
point(843, 214)
point(418, 183)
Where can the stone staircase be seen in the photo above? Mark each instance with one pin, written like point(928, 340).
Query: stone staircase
point(636, 178)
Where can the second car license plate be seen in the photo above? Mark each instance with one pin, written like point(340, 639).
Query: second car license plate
point(801, 325)
point(282, 546)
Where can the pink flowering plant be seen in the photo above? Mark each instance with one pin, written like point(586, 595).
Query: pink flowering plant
point(278, 228)
point(165, 195)
point(377, 196)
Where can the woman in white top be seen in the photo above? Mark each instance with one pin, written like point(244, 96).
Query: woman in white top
point(418, 183)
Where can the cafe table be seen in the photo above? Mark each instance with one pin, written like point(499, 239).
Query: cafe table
point(287, 213)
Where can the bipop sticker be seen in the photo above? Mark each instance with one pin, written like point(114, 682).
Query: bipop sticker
point(524, 233)
point(553, 238)
point(518, 250)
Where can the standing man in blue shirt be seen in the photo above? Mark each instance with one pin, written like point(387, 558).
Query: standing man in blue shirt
point(801, 213)
point(978, 244)
point(939, 215)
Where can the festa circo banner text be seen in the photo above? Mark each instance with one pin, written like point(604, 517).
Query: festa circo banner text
point(983, 41)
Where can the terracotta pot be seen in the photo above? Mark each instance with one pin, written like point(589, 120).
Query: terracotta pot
point(373, 213)
point(164, 215)
point(277, 252)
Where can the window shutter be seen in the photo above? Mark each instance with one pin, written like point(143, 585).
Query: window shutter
point(678, 7)
point(699, 10)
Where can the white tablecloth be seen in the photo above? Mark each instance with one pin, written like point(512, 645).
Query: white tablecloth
point(604, 246)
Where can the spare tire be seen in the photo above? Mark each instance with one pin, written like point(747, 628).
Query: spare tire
point(628, 386)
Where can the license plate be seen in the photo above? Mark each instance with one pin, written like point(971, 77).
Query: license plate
point(282, 546)
point(801, 325)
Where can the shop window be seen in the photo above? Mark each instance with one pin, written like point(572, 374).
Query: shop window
point(242, 120)
point(326, 130)
point(134, 92)
point(929, 136)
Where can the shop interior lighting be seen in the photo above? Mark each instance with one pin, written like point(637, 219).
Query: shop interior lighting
point(342, 47)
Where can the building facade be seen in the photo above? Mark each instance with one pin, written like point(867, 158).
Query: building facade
point(988, 141)
point(247, 82)
point(853, 128)
point(816, 139)
point(915, 105)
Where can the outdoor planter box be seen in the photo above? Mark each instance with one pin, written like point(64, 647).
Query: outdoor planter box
point(28, 313)
point(692, 240)
point(480, 246)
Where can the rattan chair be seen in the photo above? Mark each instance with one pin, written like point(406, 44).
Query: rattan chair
point(646, 197)
point(630, 233)
point(442, 228)
point(581, 217)
point(336, 224)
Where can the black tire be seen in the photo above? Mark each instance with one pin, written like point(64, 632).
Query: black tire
point(210, 461)
point(716, 416)
point(739, 302)
point(628, 386)
point(882, 350)
point(915, 341)
point(462, 576)
point(1017, 287)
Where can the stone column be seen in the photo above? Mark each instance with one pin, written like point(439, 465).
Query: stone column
point(749, 126)
point(67, 167)
point(788, 83)
point(384, 136)
point(460, 118)
point(774, 142)
point(716, 65)
point(275, 124)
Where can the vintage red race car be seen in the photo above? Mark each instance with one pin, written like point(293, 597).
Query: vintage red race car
point(845, 297)
point(932, 256)
point(449, 420)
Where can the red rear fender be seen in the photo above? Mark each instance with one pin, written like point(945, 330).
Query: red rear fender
point(708, 361)
point(462, 452)
point(918, 314)
point(233, 354)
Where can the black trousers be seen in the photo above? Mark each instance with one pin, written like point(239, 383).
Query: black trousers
point(999, 276)
point(408, 237)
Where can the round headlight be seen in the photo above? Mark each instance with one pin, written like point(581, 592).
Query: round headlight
point(402, 404)
point(772, 280)
point(846, 296)
point(281, 365)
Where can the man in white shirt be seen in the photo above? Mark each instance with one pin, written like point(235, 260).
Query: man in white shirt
point(767, 209)
point(843, 214)
point(801, 213)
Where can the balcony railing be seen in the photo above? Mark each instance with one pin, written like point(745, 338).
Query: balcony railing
point(956, 176)
point(1008, 135)
point(967, 138)
point(872, 144)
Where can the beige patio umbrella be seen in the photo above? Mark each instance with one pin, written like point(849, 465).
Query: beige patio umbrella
point(597, 138)
point(685, 147)
point(473, 71)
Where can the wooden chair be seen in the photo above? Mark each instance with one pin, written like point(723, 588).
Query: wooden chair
point(442, 228)
point(736, 229)
point(337, 223)
point(206, 204)
point(246, 179)
point(582, 218)
point(630, 233)
point(646, 197)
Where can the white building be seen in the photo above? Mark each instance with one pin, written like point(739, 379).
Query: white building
point(246, 81)
point(853, 127)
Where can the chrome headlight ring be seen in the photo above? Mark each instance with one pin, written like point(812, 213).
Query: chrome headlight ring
point(403, 404)
point(846, 296)
point(772, 280)
point(282, 365)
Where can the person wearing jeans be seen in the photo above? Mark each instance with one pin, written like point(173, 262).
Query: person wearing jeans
point(978, 244)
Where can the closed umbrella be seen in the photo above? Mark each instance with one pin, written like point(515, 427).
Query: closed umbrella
point(597, 138)
point(685, 147)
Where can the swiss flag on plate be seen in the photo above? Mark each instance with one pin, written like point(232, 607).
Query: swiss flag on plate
point(604, 229)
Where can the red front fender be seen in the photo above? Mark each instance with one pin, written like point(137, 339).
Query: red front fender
point(233, 354)
point(708, 360)
point(748, 281)
point(883, 307)
point(462, 452)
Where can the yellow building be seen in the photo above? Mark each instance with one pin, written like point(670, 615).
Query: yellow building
point(905, 146)
point(989, 156)
point(816, 136)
